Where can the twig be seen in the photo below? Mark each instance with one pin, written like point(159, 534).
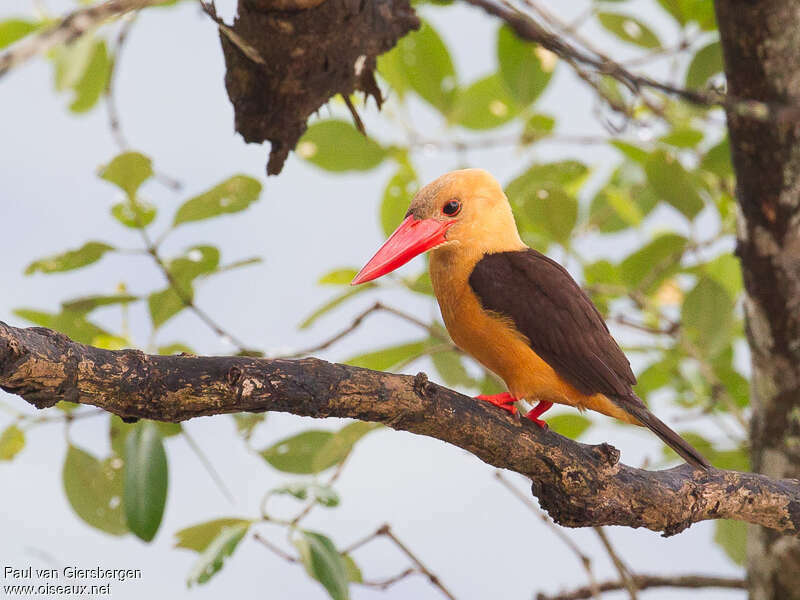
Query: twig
point(274, 549)
point(644, 582)
point(387, 532)
point(585, 561)
point(70, 28)
point(310, 506)
point(625, 574)
point(354, 113)
point(383, 584)
point(114, 122)
point(211, 10)
point(215, 476)
point(529, 29)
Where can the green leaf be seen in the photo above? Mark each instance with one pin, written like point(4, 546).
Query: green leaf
point(654, 262)
point(623, 201)
point(128, 171)
point(84, 256)
point(685, 11)
point(682, 137)
point(94, 80)
point(199, 537)
point(673, 184)
point(450, 366)
point(212, 559)
point(718, 160)
point(571, 426)
point(145, 480)
point(94, 490)
point(422, 63)
point(485, 104)
point(333, 303)
point(389, 357)
point(629, 29)
point(87, 304)
point(353, 572)
point(631, 151)
point(732, 537)
point(338, 277)
point(70, 62)
point(706, 63)
point(247, 422)
point(231, 196)
point(397, 197)
point(12, 441)
point(336, 145)
point(324, 563)
point(175, 348)
point(314, 451)
point(525, 68)
point(323, 495)
point(135, 214)
point(726, 271)
point(538, 126)
point(12, 30)
point(707, 316)
point(164, 305)
point(71, 324)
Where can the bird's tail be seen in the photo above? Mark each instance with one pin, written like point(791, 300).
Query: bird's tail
point(690, 454)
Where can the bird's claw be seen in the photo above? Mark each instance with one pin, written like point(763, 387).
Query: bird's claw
point(504, 401)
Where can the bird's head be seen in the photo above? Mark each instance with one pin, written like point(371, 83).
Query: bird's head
point(461, 211)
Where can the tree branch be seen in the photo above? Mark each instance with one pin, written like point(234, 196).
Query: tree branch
point(651, 581)
point(579, 485)
point(70, 28)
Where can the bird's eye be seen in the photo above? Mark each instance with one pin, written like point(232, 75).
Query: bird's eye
point(452, 208)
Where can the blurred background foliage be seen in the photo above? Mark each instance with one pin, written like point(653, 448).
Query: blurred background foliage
point(663, 215)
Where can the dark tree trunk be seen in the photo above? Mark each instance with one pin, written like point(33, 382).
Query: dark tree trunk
point(761, 43)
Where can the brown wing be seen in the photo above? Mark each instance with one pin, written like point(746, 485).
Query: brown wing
point(560, 322)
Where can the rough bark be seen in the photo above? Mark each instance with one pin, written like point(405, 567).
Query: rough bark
point(577, 484)
point(761, 43)
point(305, 58)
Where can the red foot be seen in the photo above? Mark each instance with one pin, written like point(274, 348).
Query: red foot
point(537, 411)
point(501, 401)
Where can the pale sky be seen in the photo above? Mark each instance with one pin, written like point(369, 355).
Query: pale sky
point(441, 501)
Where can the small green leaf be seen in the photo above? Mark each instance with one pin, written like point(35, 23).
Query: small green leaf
point(12, 441)
point(538, 126)
point(397, 197)
point(247, 422)
point(70, 62)
point(571, 426)
point(682, 137)
point(732, 537)
point(323, 495)
point(314, 451)
point(623, 201)
point(706, 63)
point(338, 277)
point(673, 183)
point(726, 271)
point(212, 559)
point(525, 68)
point(94, 79)
point(12, 30)
point(629, 29)
point(199, 537)
point(89, 303)
point(94, 490)
point(353, 572)
point(333, 303)
point(718, 160)
point(231, 196)
point(485, 104)
point(654, 262)
point(165, 304)
point(175, 348)
point(135, 214)
point(111, 342)
point(72, 324)
point(421, 62)
point(389, 357)
point(707, 316)
point(324, 563)
point(128, 171)
point(145, 492)
point(84, 256)
point(336, 146)
point(450, 366)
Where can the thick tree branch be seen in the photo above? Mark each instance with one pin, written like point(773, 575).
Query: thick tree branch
point(578, 484)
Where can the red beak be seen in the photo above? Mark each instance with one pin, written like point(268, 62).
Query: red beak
point(412, 238)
